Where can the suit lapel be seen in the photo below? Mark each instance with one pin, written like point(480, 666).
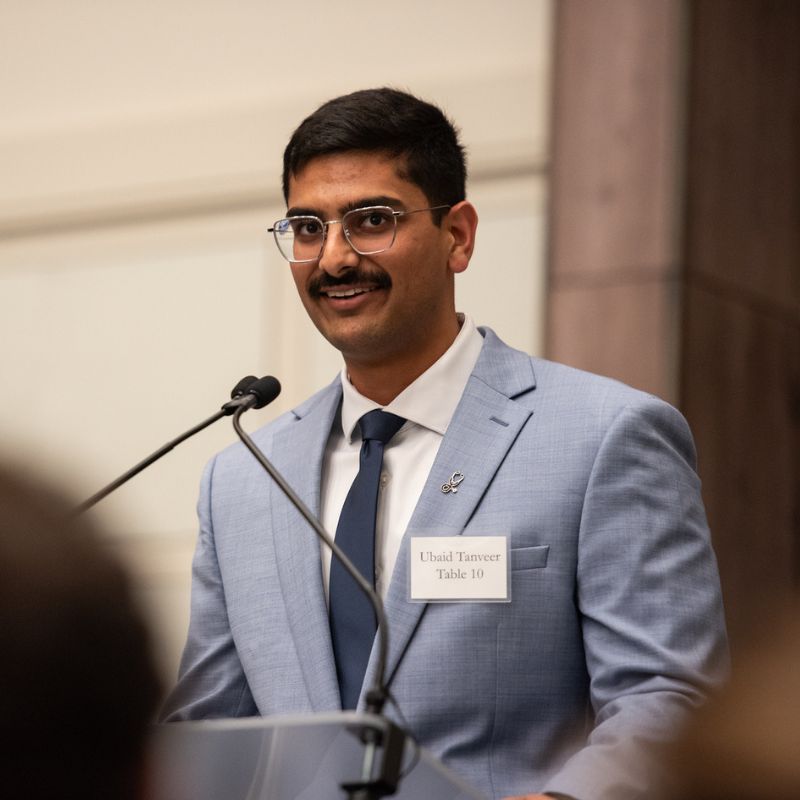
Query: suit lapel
point(299, 450)
point(484, 427)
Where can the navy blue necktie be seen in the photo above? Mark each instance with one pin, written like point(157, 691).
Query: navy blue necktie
point(352, 617)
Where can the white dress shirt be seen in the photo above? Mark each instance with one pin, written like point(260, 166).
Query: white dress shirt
point(428, 404)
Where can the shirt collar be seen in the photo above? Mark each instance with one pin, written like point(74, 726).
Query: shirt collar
point(431, 400)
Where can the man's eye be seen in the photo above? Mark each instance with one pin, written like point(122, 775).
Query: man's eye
point(373, 220)
point(307, 228)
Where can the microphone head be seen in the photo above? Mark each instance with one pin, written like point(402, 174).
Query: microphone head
point(265, 390)
point(243, 385)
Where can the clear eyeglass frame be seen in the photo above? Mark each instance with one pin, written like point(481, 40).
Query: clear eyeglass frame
point(284, 229)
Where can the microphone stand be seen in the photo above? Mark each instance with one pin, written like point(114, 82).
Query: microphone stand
point(248, 391)
point(135, 470)
point(383, 754)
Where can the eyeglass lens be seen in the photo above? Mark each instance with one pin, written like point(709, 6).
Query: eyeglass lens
point(369, 230)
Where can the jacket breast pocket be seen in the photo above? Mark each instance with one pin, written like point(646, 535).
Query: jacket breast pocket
point(529, 557)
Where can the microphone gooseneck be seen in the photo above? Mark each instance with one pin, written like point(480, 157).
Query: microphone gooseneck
point(378, 693)
point(381, 769)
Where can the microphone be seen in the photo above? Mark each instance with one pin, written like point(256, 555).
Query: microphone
point(242, 386)
point(392, 742)
point(256, 393)
point(249, 392)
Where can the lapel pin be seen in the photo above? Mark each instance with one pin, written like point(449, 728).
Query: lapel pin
point(452, 483)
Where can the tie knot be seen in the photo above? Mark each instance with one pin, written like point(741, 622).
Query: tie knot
point(380, 425)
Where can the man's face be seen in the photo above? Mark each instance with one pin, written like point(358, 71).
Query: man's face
point(391, 307)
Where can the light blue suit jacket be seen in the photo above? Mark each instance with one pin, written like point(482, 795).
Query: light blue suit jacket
point(615, 628)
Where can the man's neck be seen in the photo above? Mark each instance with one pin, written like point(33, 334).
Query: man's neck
point(382, 380)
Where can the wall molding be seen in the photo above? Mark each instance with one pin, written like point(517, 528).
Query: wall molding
point(225, 158)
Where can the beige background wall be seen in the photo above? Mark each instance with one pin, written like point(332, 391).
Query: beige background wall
point(140, 158)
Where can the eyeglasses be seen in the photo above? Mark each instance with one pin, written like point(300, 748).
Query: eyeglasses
point(367, 230)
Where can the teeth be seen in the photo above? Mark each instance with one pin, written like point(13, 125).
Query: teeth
point(347, 292)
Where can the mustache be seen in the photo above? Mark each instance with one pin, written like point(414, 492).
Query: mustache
point(321, 281)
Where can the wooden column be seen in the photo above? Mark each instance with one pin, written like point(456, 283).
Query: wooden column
point(615, 214)
point(675, 249)
point(740, 365)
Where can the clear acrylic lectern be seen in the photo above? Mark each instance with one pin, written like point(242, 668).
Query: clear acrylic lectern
point(308, 757)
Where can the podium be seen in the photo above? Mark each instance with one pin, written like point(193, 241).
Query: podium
point(303, 757)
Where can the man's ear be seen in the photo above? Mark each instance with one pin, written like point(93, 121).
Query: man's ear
point(461, 222)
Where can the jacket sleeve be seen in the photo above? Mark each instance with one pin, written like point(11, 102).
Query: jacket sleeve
point(650, 602)
point(211, 681)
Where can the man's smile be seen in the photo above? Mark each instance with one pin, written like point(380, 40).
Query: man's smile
point(349, 287)
point(350, 292)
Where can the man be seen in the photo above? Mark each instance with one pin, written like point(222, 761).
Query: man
point(614, 626)
point(79, 681)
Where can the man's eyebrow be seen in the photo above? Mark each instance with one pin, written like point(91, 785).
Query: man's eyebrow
point(300, 211)
point(362, 202)
point(378, 200)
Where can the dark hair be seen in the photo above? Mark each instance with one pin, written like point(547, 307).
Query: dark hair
point(79, 682)
point(390, 121)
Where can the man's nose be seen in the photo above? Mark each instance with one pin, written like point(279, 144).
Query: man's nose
point(337, 255)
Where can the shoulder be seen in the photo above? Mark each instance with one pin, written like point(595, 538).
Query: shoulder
point(561, 397)
point(553, 383)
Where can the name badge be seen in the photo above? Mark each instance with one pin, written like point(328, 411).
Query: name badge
point(459, 569)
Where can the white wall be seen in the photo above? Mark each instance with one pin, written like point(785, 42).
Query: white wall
point(140, 154)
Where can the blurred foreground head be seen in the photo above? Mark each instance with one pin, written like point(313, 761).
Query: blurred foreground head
point(745, 744)
point(78, 682)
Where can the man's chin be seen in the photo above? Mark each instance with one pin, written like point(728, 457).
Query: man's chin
point(356, 341)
